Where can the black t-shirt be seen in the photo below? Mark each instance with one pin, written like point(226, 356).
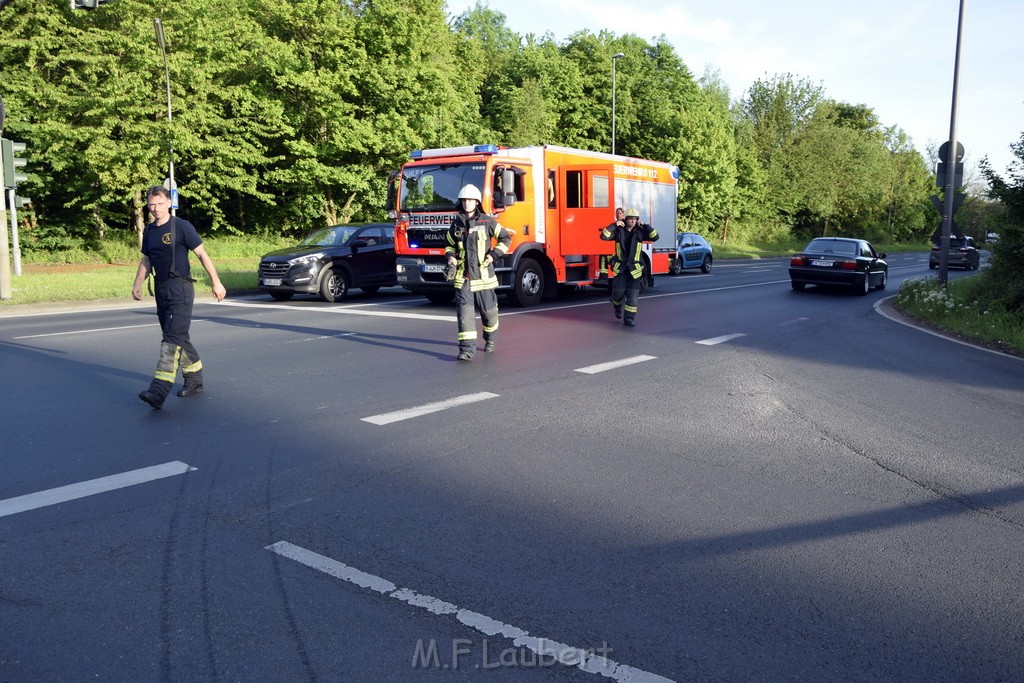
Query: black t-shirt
point(156, 245)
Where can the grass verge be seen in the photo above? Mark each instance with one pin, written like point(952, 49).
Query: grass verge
point(963, 309)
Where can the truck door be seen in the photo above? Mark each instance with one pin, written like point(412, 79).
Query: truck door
point(586, 203)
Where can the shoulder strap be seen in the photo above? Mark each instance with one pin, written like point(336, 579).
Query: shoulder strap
point(174, 239)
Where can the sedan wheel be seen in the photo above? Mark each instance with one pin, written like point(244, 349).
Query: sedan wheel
point(866, 285)
point(706, 266)
point(884, 281)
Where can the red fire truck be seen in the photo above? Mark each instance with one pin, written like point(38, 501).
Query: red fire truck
point(553, 200)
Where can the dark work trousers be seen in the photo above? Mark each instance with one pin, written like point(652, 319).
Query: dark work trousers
point(174, 299)
point(625, 292)
point(486, 302)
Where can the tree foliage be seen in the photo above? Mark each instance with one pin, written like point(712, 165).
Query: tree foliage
point(287, 116)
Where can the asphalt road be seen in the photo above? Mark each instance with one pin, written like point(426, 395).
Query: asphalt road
point(752, 484)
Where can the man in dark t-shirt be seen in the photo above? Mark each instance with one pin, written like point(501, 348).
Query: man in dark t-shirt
point(166, 243)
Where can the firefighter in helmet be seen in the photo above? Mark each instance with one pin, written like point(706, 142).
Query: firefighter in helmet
point(627, 265)
point(474, 242)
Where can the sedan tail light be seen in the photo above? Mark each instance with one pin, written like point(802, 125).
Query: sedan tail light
point(848, 265)
point(797, 261)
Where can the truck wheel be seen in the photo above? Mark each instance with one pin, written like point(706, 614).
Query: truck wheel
point(440, 298)
point(528, 287)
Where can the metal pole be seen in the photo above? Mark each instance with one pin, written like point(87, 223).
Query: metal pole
point(158, 25)
point(614, 58)
point(5, 254)
point(14, 233)
point(951, 160)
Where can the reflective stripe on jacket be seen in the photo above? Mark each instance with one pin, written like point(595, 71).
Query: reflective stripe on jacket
point(469, 241)
point(628, 248)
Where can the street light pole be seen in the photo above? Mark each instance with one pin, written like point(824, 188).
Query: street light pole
point(615, 57)
point(159, 26)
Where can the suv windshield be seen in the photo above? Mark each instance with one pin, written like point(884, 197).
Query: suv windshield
point(329, 237)
point(436, 187)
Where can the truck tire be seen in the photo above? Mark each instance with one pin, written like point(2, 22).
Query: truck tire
point(528, 286)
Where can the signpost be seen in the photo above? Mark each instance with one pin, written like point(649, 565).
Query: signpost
point(953, 167)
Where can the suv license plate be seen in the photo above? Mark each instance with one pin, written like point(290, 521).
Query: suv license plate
point(272, 282)
point(433, 267)
point(827, 264)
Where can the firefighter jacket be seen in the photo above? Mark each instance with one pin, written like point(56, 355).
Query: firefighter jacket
point(469, 241)
point(628, 245)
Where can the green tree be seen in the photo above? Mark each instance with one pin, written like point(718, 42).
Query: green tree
point(1006, 267)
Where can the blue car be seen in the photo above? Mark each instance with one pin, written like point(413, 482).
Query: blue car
point(692, 251)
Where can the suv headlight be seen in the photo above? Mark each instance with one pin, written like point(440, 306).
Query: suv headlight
point(307, 260)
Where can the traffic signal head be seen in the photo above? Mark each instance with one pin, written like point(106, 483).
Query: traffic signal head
point(13, 163)
point(87, 4)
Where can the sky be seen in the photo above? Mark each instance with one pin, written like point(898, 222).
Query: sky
point(897, 57)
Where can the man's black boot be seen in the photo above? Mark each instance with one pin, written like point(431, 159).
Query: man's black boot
point(156, 394)
point(193, 384)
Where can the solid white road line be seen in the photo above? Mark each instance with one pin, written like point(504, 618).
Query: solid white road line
point(611, 365)
point(62, 494)
point(719, 340)
point(408, 413)
point(98, 329)
point(586, 660)
point(342, 311)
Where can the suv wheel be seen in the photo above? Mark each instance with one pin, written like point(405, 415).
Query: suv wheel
point(333, 285)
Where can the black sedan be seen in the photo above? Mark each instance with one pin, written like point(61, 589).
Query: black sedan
point(331, 261)
point(839, 261)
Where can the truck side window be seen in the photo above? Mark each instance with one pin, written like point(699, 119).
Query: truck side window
point(574, 189)
point(551, 189)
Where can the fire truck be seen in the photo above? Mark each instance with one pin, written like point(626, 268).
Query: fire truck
point(553, 200)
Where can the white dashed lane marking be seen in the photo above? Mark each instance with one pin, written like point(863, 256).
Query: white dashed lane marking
point(408, 413)
point(62, 494)
point(567, 655)
point(611, 365)
point(719, 340)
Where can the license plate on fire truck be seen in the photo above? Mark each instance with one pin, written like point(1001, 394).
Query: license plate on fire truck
point(433, 267)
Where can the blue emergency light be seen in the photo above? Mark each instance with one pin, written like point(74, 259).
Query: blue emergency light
point(452, 151)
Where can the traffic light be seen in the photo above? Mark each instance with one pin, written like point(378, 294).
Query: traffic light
point(87, 4)
point(12, 162)
point(21, 202)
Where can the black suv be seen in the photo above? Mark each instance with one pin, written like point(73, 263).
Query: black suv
point(962, 253)
point(331, 261)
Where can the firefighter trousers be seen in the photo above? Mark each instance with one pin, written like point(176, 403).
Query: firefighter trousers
point(174, 299)
point(467, 303)
point(625, 293)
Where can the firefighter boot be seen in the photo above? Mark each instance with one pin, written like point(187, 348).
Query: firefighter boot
point(489, 345)
point(193, 384)
point(156, 394)
point(618, 311)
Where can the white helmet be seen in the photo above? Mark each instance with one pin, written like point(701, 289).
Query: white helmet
point(469, 192)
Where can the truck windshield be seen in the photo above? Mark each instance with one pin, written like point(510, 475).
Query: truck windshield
point(436, 187)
